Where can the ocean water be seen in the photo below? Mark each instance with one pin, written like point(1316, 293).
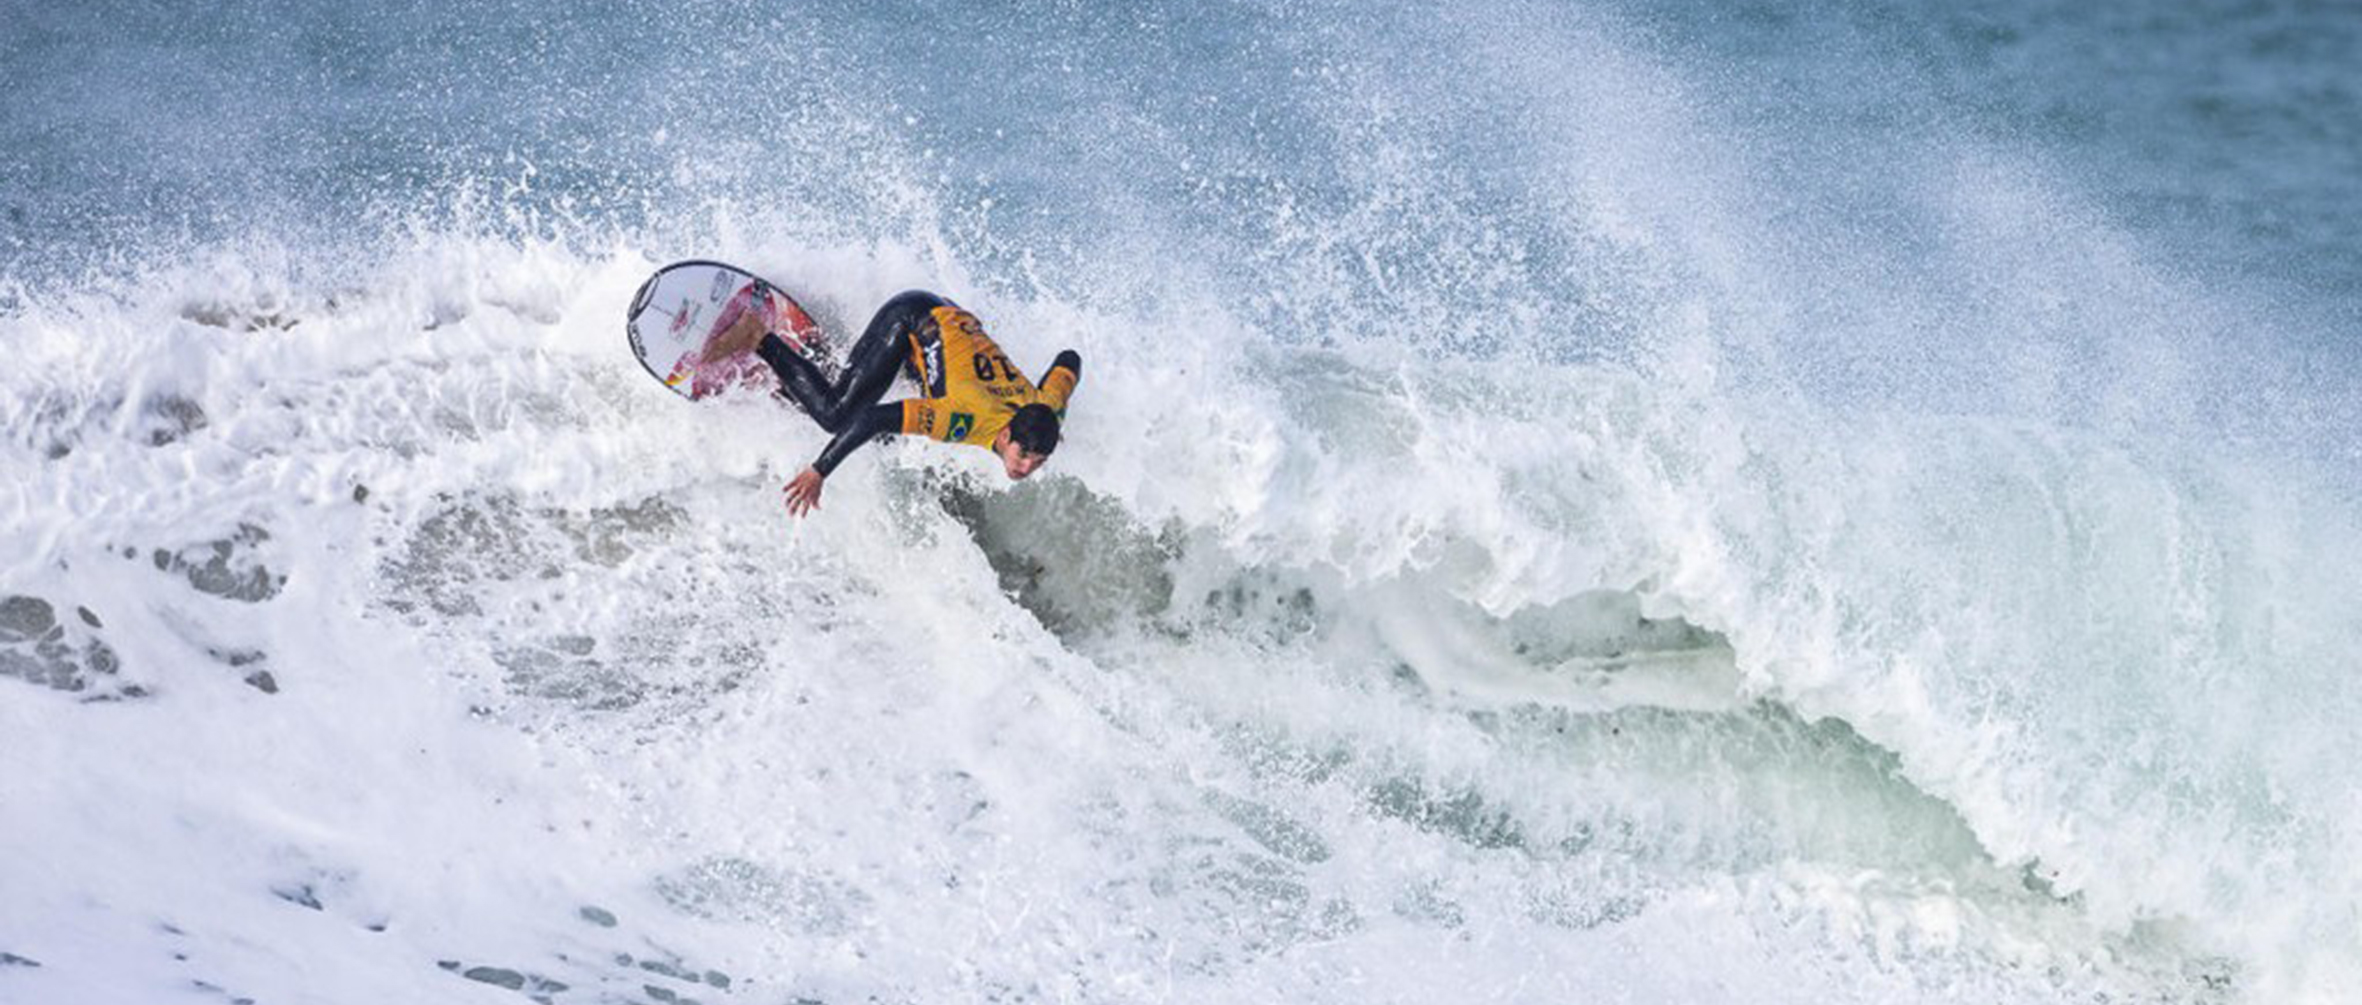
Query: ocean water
point(1568, 502)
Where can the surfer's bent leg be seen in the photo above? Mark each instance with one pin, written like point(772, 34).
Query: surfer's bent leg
point(869, 368)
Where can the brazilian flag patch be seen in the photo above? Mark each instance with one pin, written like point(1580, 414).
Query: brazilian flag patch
point(961, 423)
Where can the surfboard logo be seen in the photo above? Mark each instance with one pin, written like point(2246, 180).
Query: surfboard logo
point(723, 281)
point(682, 319)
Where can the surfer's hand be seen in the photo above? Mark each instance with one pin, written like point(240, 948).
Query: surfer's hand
point(803, 494)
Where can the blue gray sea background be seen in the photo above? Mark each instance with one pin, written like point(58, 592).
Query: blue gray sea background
point(1586, 501)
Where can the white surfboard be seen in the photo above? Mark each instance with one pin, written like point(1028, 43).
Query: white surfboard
point(694, 325)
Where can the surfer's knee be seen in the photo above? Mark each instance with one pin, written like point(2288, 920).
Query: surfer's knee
point(909, 309)
point(920, 300)
point(833, 420)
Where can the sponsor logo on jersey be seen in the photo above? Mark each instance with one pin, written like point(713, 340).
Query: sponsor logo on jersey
point(961, 423)
point(933, 352)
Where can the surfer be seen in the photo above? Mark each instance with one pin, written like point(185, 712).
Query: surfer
point(972, 393)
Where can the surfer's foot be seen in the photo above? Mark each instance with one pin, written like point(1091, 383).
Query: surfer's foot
point(737, 340)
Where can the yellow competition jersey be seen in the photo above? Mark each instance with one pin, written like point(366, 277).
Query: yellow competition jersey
point(972, 389)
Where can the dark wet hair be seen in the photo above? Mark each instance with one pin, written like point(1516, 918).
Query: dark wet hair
point(1035, 429)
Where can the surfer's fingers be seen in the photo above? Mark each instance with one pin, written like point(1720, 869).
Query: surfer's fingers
point(802, 499)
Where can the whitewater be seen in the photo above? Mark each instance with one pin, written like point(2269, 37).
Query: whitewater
point(1589, 502)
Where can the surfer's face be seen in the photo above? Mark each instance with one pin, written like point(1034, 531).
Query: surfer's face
point(1019, 461)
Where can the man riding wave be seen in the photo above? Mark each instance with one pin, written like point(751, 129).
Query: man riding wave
point(972, 393)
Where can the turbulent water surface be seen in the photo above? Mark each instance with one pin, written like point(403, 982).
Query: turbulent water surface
point(1568, 502)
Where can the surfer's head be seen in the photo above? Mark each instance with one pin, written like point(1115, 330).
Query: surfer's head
point(1028, 440)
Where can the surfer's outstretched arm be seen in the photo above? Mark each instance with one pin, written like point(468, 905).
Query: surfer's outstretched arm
point(803, 494)
point(866, 425)
point(849, 407)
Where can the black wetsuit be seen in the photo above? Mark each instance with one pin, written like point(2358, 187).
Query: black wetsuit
point(849, 407)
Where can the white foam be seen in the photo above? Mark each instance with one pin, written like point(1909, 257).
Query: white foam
point(1429, 676)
